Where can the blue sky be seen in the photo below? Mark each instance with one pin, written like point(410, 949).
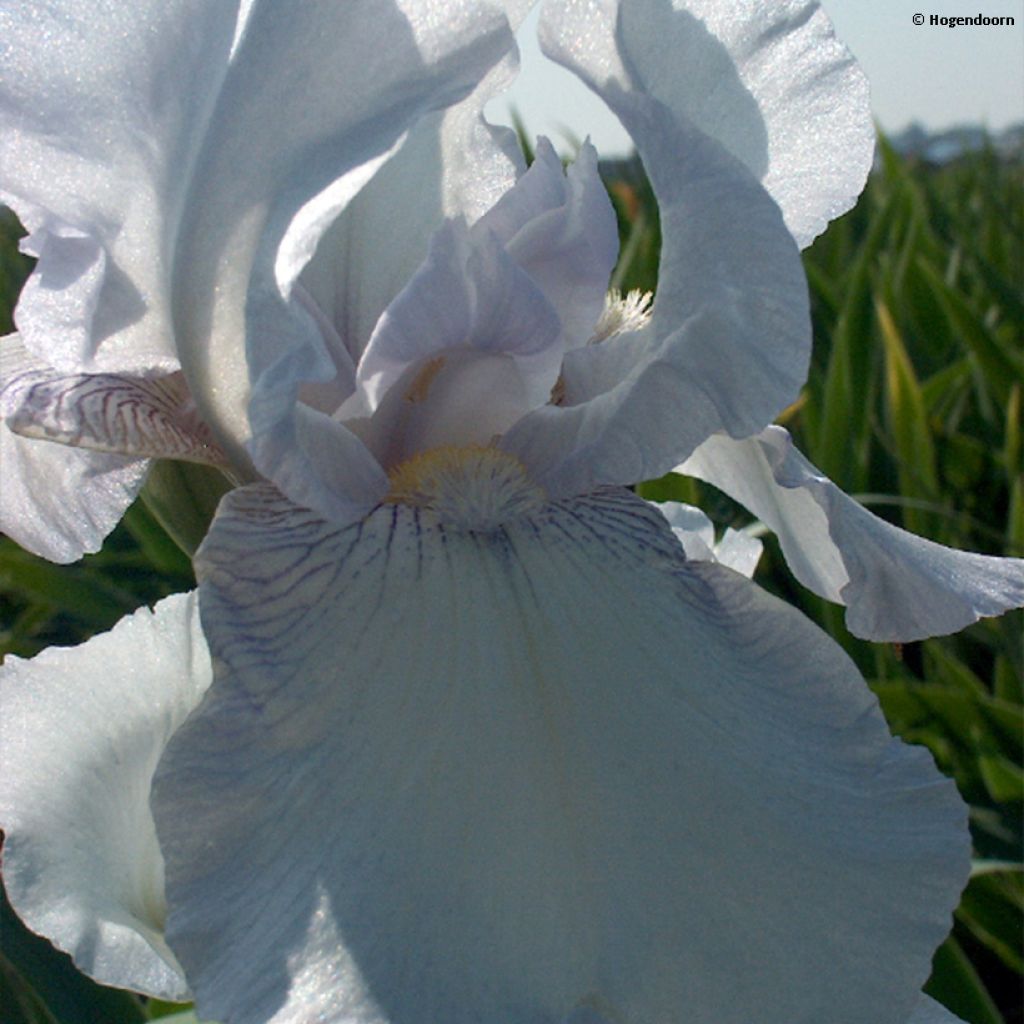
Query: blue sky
point(935, 75)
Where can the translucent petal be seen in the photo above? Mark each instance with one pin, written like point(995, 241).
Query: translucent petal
point(736, 550)
point(729, 338)
point(458, 399)
point(55, 501)
point(82, 730)
point(695, 531)
point(59, 502)
point(451, 164)
point(546, 770)
point(739, 551)
point(101, 110)
point(136, 416)
point(316, 98)
point(469, 294)
point(896, 586)
point(770, 82)
point(561, 229)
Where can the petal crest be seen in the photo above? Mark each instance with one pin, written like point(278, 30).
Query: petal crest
point(82, 730)
point(452, 163)
point(535, 773)
point(470, 295)
point(560, 228)
point(896, 586)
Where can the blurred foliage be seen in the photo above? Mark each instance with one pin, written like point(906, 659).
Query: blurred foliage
point(913, 405)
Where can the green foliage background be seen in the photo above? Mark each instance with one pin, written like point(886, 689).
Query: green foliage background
point(913, 405)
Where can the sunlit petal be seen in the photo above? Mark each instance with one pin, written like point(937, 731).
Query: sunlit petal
point(739, 551)
point(451, 164)
point(731, 294)
point(736, 550)
point(316, 98)
point(768, 80)
point(692, 527)
point(896, 586)
point(551, 767)
point(82, 730)
point(55, 501)
point(561, 229)
point(98, 133)
point(469, 294)
point(58, 502)
point(134, 416)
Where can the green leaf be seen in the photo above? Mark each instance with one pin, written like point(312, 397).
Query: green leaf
point(955, 983)
point(907, 422)
point(183, 497)
point(174, 1014)
point(159, 550)
point(840, 447)
point(945, 668)
point(992, 909)
point(671, 487)
point(74, 590)
point(19, 1002)
point(1003, 778)
point(1001, 366)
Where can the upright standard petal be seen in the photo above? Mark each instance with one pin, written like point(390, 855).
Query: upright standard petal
point(770, 82)
point(469, 296)
point(99, 128)
point(472, 343)
point(451, 164)
point(317, 97)
point(729, 338)
point(560, 227)
point(545, 769)
point(896, 586)
point(82, 730)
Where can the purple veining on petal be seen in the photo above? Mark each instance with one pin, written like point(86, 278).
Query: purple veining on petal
point(152, 418)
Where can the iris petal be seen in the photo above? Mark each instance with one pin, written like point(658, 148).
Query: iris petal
point(928, 1011)
point(315, 100)
point(83, 729)
point(806, 134)
point(731, 294)
point(896, 586)
point(101, 115)
point(56, 501)
point(544, 768)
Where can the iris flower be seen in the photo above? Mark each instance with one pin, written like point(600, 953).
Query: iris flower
point(458, 729)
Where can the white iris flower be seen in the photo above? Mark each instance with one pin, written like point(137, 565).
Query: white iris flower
point(477, 737)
